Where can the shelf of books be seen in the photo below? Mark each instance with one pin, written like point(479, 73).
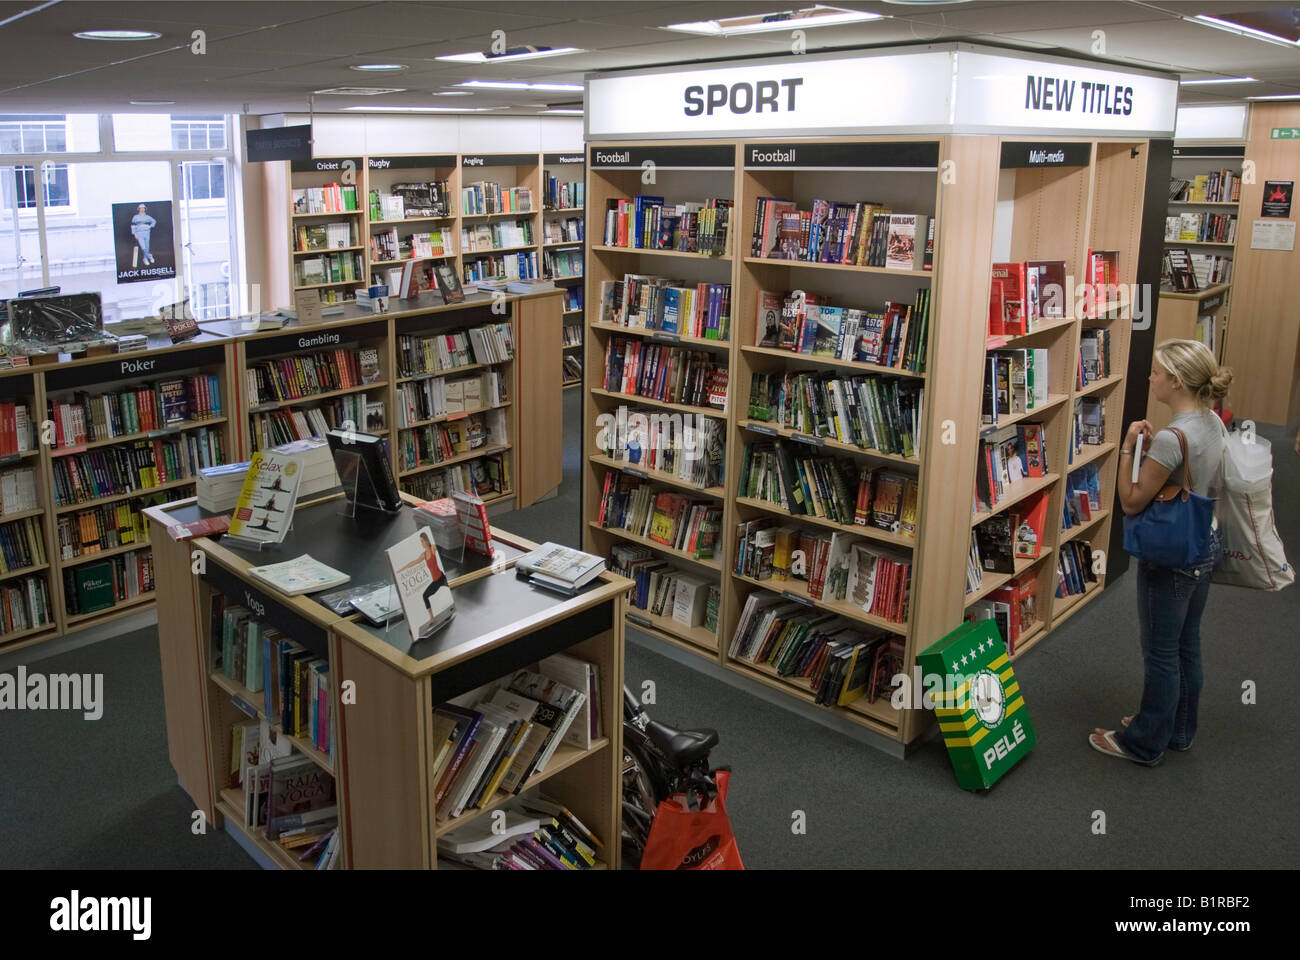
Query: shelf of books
point(126, 434)
point(303, 384)
point(1201, 232)
point(500, 217)
point(28, 589)
point(454, 415)
point(327, 227)
point(658, 371)
point(271, 706)
point(825, 455)
point(564, 193)
point(411, 216)
point(870, 467)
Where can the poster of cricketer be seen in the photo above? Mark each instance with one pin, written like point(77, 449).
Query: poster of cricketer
point(142, 240)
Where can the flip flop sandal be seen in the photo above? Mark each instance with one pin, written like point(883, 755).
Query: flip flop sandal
point(1125, 721)
point(1112, 747)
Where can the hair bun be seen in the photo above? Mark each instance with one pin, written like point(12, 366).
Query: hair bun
point(1219, 383)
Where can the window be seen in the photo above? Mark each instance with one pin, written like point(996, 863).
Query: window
point(35, 134)
point(212, 301)
point(205, 181)
point(49, 133)
point(56, 186)
point(198, 133)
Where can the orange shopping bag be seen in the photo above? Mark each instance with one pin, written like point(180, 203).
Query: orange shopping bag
point(683, 839)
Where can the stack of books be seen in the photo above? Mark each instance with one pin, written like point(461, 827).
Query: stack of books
point(218, 487)
point(318, 471)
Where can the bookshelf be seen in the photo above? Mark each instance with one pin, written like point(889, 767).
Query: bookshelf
point(383, 754)
point(327, 227)
point(97, 529)
point(1003, 207)
point(563, 227)
point(25, 509)
point(685, 173)
point(427, 192)
point(499, 206)
point(1202, 314)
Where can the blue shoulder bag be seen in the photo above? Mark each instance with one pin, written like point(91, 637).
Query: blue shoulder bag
point(1175, 528)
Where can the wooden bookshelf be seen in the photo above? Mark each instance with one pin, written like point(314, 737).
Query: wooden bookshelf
point(989, 214)
point(349, 174)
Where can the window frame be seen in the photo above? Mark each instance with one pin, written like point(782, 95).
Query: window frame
point(108, 153)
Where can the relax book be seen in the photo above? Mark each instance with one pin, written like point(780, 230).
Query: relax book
point(264, 511)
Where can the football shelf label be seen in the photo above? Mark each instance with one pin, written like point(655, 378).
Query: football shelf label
point(981, 713)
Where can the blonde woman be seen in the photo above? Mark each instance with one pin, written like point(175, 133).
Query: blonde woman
point(1185, 377)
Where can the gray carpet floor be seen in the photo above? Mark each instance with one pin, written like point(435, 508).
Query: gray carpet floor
point(102, 794)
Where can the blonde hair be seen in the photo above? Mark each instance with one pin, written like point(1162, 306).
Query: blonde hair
point(1191, 363)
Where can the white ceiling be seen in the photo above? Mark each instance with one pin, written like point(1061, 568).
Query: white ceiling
point(270, 56)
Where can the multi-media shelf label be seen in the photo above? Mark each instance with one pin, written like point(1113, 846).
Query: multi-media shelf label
point(125, 367)
point(411, 163)
point(1021, 154)
point(266, 607)
point(920, 156)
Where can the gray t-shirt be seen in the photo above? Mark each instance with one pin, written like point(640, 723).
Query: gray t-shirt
point(1204, 434)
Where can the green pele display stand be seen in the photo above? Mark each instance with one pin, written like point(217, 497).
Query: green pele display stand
point(981, 712)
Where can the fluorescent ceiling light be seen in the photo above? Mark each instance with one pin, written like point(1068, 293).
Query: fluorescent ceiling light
point(517, 85)
point(117, 35)
point(514, 53)
point(358, 91)
point(1278, 96)
point(815, 16)
point(424, 109)
point(1238, 29)
point(453, 93)
point(570, 110)
point(1193, 83)
point(151, 103)
point(377, 67)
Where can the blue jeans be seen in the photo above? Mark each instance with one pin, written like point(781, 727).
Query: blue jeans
point(1170, 603)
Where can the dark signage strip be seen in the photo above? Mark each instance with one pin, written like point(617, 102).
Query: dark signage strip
point(469, 161)
point(841, 156)
point(310, 338)
point(328, 165)
point(133, 365)
point(266, 607)
point(705, 156)
point(411, 163)
point(563, 159)
point(1018, 155)
point(278, 143)
point(1208, 152)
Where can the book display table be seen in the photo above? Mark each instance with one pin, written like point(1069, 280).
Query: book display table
point(382, 687)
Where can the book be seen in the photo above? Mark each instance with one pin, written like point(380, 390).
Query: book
point(299, 575)
point(560, 565)
point(94, 587)
point(422, 585)
point(264, 510)
point(300, 793)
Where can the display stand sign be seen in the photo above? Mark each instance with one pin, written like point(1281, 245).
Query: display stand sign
point(981, 713)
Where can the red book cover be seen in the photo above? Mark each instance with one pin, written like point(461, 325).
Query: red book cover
point(996, 327)
point(1012, 276)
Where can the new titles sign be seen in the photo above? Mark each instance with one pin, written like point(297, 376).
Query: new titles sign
point(981, 713)
point(941, 88)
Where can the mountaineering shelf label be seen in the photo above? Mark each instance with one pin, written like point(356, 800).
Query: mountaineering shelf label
point(980, 710)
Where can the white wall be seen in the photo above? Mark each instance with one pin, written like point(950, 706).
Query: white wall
point(362, 134)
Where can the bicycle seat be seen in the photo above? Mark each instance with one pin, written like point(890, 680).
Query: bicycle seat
point(682, 747)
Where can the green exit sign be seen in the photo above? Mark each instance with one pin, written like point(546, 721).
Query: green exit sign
point(1286, 133)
